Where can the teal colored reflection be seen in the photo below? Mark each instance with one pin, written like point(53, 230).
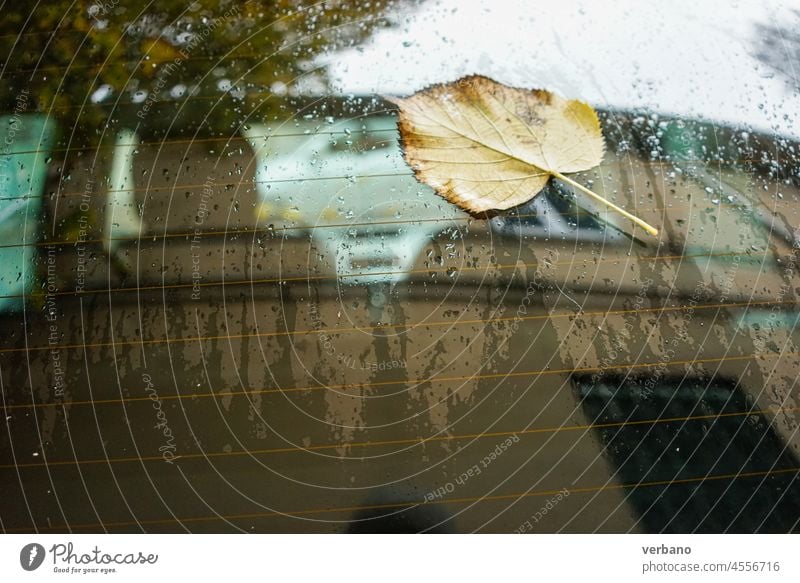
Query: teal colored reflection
point(25, 143)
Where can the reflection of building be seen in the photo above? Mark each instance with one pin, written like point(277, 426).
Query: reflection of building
point(345, 183)
point(25, 142)
point(316, 260)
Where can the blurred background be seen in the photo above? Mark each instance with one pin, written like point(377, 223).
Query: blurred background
point(227, 306)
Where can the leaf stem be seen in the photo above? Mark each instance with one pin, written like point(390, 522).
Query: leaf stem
point(650, 229)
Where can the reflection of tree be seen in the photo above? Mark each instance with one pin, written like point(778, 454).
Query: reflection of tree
point(171, 56)
point(779, 48)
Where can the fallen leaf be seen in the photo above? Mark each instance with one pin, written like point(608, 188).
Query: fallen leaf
point(483, 145)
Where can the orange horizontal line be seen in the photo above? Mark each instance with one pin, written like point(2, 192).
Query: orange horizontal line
point(443, 379)
point(495, 434)
point(152, 341)
point(465, 500)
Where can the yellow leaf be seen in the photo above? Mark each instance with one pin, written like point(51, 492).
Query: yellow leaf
point(158, 50)
point(483, 145)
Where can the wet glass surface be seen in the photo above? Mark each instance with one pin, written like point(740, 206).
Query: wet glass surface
point(227, 305)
